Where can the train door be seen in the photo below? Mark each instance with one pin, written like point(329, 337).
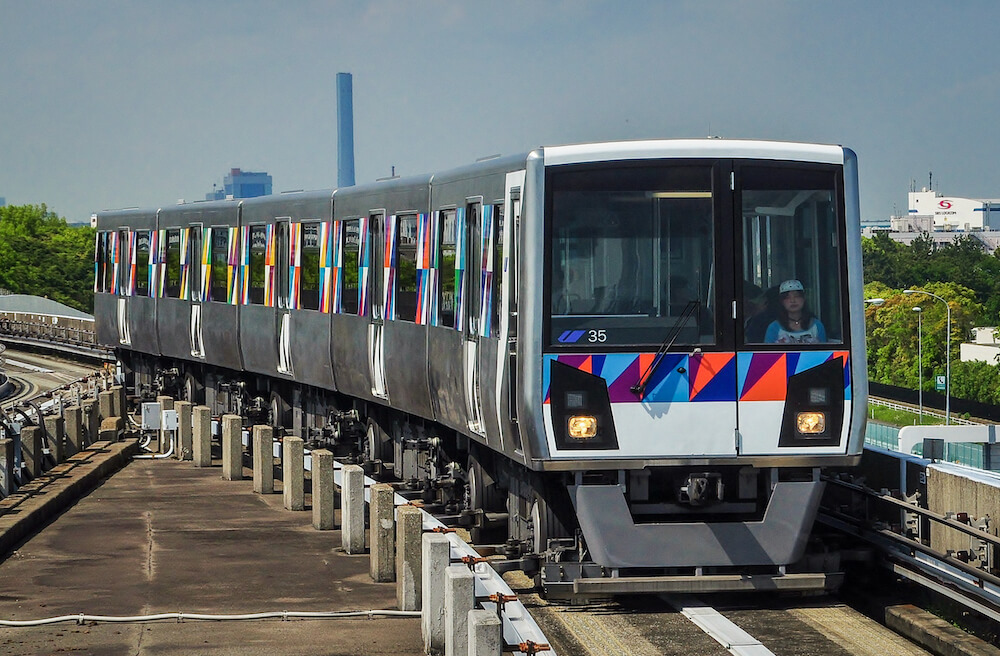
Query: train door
point(508, 269)
point(475, 250)
point(192, 260)
point(377, 272)
point(123, 283)
point(282, 259)
point(792, 355)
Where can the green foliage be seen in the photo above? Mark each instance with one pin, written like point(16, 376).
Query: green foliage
point(41, 255)
point(964, 275)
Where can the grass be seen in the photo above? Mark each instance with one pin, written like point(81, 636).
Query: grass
point(901, 417)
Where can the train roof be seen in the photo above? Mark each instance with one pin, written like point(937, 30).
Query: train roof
point(692, 148)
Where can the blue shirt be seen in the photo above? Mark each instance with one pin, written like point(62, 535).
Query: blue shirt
point(814, 334)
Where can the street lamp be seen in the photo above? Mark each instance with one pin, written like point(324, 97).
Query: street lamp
point(920, 360)
point(947, 355)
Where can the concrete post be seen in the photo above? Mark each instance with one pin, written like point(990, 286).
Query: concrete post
point(263, 461)
point(166, 403)
point(118, 407)
point(322, 490)
point(201, 434)
point(7, 485)
point(435, 559)
point(459, 599)
point(352, 509)
point(232, 448)
point(73, 417)
point(409, 529)
point(293, 473)
point(92, 420)
point(106, 403)
point(31, 449)
point(485, 633)
point(55, 429)
point(184, 444)
point(382, 534)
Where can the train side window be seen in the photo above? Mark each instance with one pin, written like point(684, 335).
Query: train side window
point(351, 266)
point(447, 249)
point(101, 262)
point(172, 279)
point(219, 289)
point(279, 278)
point(791, 259)
point(142, 263)
point(258, 254)
point(309, 267)
point(123, 261)
point(497, 268)
point(406, 268)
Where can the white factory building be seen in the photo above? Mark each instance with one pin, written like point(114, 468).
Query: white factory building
point(943, 218)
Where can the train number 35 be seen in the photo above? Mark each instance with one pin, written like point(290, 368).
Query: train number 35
point(597, 336)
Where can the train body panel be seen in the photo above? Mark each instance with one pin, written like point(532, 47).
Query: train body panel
point(670, 328)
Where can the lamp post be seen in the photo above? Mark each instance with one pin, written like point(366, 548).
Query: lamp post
point(920, 361)
point(947, 355)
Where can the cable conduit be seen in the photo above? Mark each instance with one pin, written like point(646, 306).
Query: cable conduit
point(82, 618)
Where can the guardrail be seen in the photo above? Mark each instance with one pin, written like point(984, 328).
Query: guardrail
point(75, 336)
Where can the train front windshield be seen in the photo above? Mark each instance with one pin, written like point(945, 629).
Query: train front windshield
point(643, 253)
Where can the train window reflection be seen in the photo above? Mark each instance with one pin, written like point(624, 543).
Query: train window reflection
point(351, 267)
point(220, 269)
point(447, 249)
point(172, 276)
point(406, 268)
point(631, 250)
point(309, 269)
point(142, 263)
point(258, 270)
point(790, 252)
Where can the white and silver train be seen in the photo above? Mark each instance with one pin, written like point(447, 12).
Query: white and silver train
point(640, 354)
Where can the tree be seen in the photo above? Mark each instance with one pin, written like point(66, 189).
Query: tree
point(40, 254)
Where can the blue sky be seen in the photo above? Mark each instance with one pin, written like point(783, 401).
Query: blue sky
point(112, 104)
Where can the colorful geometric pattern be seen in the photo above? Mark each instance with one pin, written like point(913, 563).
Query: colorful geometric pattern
point(185, 263)
point(157, 259)
point(460, 268)
point(295, 233)
point(116, 269)
point(363, 266)
point(426, 273)
point(683, 378)
point(486, 272)
point(236, 265)
point(389, 262)
point(337, 266)
point(206, 264)
point(325, 266)
point(132, 239)
point(270, 268)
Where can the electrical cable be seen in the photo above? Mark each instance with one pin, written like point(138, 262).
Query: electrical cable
point(283, 615)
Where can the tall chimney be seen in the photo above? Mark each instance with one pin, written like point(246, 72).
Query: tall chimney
point(345, 130)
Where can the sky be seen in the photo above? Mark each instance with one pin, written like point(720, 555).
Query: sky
point(107, 104)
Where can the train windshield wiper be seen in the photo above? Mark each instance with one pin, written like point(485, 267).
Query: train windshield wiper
point(639, 389)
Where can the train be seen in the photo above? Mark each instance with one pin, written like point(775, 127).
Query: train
point(587, 353)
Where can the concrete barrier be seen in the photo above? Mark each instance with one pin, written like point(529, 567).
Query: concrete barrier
point(7, 484)
point(55, 431)
point(435, 559)
point(73, 418)
point(459, 599)
point(31, 450)
point(485, 633)
point(111, 429)
point(232, 448)
point(182, 450)
point(382, 533)
point(293, 473)
point(323, 495)
point(409, 531)
point(118, 401)
point(106, 405)
point(92, 421)
point(201, 435)
point(263, 460)
point(352, 510)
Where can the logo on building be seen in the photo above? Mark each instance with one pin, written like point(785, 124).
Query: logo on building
point(945, 204)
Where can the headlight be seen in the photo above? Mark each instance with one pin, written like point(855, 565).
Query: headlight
point(810, 423)
point(582, 427)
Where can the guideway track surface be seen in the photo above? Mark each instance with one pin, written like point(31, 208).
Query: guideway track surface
point(164, 536)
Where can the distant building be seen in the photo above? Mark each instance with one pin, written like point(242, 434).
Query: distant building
point(943, 218)
point(242, 184)
point(984, 348)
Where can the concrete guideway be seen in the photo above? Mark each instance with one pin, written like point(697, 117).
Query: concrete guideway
point(161, 536)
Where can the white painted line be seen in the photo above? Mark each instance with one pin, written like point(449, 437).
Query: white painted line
point(28, 367)
point(722, 630)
